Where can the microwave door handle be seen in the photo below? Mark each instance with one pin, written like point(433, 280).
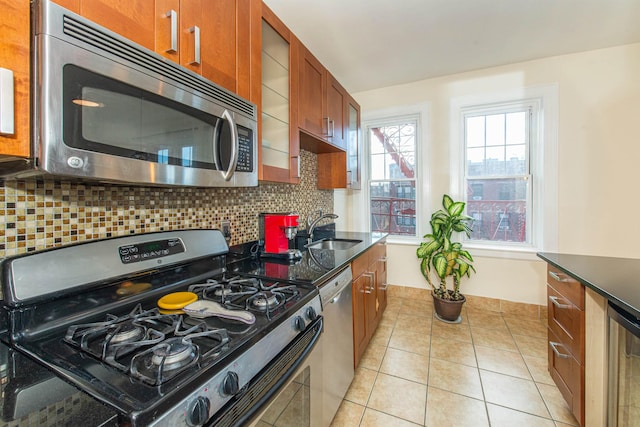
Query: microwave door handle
point(234, 146)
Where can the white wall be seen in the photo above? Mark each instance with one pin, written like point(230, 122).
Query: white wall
point(598, 156)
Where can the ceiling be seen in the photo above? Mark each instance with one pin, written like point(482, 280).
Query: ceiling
point(368, 44)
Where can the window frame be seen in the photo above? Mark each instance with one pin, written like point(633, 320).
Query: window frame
point(532, 108)
point(392, 120)
point(542, 149)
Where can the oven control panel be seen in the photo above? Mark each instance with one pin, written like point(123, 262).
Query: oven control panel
point(150, 250)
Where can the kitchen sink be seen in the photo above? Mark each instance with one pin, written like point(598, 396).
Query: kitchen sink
point(334, 244)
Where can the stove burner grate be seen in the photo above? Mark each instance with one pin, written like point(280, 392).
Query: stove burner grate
point(172, 356)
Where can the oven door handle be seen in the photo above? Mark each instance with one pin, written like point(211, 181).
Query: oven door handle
point(624, 318)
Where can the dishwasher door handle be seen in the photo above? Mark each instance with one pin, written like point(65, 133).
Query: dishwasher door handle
point(336, 297)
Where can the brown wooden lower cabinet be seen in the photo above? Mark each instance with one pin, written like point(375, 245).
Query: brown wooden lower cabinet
point(566, 338)
point(369, 296)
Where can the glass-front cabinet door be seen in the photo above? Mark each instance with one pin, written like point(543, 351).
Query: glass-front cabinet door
point(280, 157)
point(354, 145)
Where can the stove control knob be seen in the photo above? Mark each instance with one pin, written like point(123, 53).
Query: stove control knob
point(198, 412)
point(311, 313)
point(299, 324)
point(231, 384)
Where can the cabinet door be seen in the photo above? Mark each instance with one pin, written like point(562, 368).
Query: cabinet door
point(372, 306)
point(133, 19)
point(312, 90)
point(354, 145)
point(381, 282)
point(279, 154)
point(360, 339)
point(72, 5)
point(336, 112)
point(14, 56)
point(219, 42)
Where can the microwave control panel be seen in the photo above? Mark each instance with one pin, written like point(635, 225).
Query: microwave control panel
point(150, 250)
point(245, 150)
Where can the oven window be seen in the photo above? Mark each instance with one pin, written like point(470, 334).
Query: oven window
point(292, 407)
point(107, 116)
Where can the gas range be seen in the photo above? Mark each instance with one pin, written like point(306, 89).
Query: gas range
point(94, 314)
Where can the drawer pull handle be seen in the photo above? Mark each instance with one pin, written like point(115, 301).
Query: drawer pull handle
point(383, 287)
point(554, 347)
point(555, 302)
point(557, 277)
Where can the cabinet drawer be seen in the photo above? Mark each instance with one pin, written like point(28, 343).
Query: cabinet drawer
point(568, 375)
point(360, 264)
point(379, 250)
point(567, 323)
point(566, 285)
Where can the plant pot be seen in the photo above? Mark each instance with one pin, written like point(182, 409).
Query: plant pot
point(448, 310)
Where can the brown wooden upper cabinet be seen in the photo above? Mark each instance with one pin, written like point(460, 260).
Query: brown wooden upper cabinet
point(323, 102)
point(353, 138)
point(14, 56)
point(211, 38)
point(280, 147)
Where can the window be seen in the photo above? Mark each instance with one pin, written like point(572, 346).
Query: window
point(392, 176)
point(504, 164)
point(497, 143)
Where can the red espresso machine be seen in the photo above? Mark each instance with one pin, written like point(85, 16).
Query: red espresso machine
point(276, 231)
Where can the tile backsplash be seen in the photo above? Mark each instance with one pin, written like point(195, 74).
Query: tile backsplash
point(43, 214)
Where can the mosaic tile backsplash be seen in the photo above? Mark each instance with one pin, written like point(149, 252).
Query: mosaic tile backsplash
point(36, 215)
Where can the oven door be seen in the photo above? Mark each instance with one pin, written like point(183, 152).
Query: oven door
point(287, 393)
point(299, 401)
point(624, 368)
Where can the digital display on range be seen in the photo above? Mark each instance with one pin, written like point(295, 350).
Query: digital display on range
point(150, 250)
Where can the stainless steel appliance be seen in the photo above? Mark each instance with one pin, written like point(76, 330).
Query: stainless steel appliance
point(623, 407)
point(299, 403)
point(107, 109)
point(337, 364)
point(89, 312)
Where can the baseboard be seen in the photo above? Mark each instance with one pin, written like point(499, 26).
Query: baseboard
point(508, 308)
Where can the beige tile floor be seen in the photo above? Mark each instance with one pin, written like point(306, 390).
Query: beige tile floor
point(489, 370)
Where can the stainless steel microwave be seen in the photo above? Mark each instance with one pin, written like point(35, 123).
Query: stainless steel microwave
point(105, 108)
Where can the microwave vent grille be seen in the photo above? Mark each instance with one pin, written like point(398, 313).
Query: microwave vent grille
point(154, 63)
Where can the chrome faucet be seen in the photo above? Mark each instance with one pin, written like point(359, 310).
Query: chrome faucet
point(312, 225)
point(309, 220)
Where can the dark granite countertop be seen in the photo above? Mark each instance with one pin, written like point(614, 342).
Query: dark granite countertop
point(617, 279)
point(31, 394)
point(316, 265)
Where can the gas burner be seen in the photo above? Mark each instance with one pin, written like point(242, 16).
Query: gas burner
point(164, 361)
point(126, 332)
point(172, 353)
point(226, 290)
point(265, 300)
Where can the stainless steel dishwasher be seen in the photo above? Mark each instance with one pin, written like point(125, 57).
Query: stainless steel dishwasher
point(337, 355)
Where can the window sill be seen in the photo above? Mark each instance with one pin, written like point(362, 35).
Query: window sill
point(504, 252)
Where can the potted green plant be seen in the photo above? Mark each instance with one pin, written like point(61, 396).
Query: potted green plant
point(446, 258)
